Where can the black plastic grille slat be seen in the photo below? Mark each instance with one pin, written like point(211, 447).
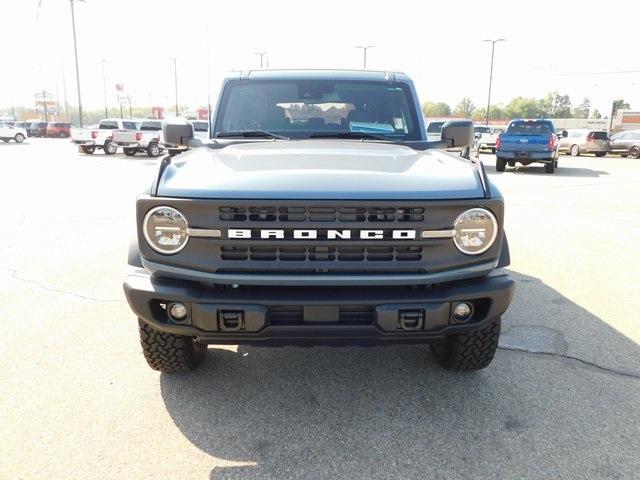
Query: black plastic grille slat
point(321, 214)
point(294, 314)
point(321, 254)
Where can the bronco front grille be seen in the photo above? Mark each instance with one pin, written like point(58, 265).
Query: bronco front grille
point(320, 214)
point(321, 253)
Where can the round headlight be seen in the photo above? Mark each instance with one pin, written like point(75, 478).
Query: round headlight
point(165, 230)
point(476, 230)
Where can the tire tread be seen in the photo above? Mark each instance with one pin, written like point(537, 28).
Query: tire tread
point(167, 352)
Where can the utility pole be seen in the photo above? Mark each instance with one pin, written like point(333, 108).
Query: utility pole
point(75, 49)
point(175, 79)
point(364, 52)
point(208, 77)
point(104, 90)
point(44, 103)
point(493, 47)
point(262, 54)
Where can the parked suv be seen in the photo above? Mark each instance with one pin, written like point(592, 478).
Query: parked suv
point(11, 131)
point(37, 129)
point(579, 141)
point(59, 129)
point(318, 213)
point(626, 143)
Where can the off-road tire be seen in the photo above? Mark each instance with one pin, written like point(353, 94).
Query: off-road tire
point(19, 138)
point(109, 148)
point(634, 152)
point(500, 164)
point(153, 150)
point(493, 150)
point(550, 167)
point(600, 154)
point(130, 152)
point(469, 351)
point(169, 353)
point(88, 150)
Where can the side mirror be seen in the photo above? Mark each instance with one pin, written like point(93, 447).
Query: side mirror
point(457, 133)
point(177, 132)
point(564, 134)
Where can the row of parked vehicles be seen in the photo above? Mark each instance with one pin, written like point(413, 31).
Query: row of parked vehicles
point(36, 128)
point(132, 136)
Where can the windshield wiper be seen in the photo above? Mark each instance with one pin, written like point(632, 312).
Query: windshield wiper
point(251, 134)
point(356, 135)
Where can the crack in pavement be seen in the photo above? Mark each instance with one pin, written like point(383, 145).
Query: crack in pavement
point(577, 359)
point(14, 275)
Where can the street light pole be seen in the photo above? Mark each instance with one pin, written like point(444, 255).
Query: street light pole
point(75, 49)
point(493, 47)
point(175, 79)
point(104, 90)
point(262, 54)
point(364, 52)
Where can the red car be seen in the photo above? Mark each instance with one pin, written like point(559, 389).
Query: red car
point(59, 129)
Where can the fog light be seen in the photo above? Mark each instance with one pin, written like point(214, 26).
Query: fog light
point(462, 312)
point(178, 311)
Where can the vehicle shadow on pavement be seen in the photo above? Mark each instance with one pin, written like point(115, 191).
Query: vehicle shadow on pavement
point(537, 169)
point(392, 412)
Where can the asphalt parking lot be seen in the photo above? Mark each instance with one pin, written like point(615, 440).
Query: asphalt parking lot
point(560, 400)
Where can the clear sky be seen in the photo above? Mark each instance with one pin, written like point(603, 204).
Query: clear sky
point(551, 45)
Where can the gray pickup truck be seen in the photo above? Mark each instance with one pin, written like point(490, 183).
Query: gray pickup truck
point(319, 213)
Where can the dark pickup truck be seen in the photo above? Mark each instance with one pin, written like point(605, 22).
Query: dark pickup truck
point(318, 213)
point(526, 142)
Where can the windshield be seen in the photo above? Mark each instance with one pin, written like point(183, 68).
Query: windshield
point(435, 127)
point(301, 108)
point(201, 126)
point(482, 129)
point(153, 126)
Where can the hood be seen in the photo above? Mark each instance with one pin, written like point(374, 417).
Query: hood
point(320, 169)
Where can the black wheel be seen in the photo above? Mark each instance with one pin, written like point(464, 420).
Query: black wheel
point(493, 150)
point(19, 138)
point(550, 167)
point(167, 352)
point(634, 152)
point(173, 152)
point(511, 163)
point(88, 149)
point(130, 152)
point(469, 351)
point(153, 150)
point(600, 154)
point(110, 148)
point(500, 163)
point(575, 151)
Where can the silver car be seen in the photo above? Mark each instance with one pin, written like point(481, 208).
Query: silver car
point(582, 140)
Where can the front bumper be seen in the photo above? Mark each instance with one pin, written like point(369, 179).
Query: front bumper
point(266, 315)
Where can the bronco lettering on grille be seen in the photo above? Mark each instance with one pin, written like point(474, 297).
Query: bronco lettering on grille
point(320, 234)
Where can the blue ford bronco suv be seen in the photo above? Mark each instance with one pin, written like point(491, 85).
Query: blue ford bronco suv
point(318, 213)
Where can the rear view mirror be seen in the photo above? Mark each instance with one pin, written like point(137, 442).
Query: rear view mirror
point(564, 134)
point(457, 133)
point(177, 132)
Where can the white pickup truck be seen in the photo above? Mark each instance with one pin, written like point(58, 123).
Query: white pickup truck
point(147, 138)
point(101, 137)
point(485, 138)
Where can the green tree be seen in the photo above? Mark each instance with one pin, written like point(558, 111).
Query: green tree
point(523, 107)
point(554, 105)
point(582, 110)
point(495, 113)
point(465, 108)
point(436, 109)
point(595, 114)
point(619, 104)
